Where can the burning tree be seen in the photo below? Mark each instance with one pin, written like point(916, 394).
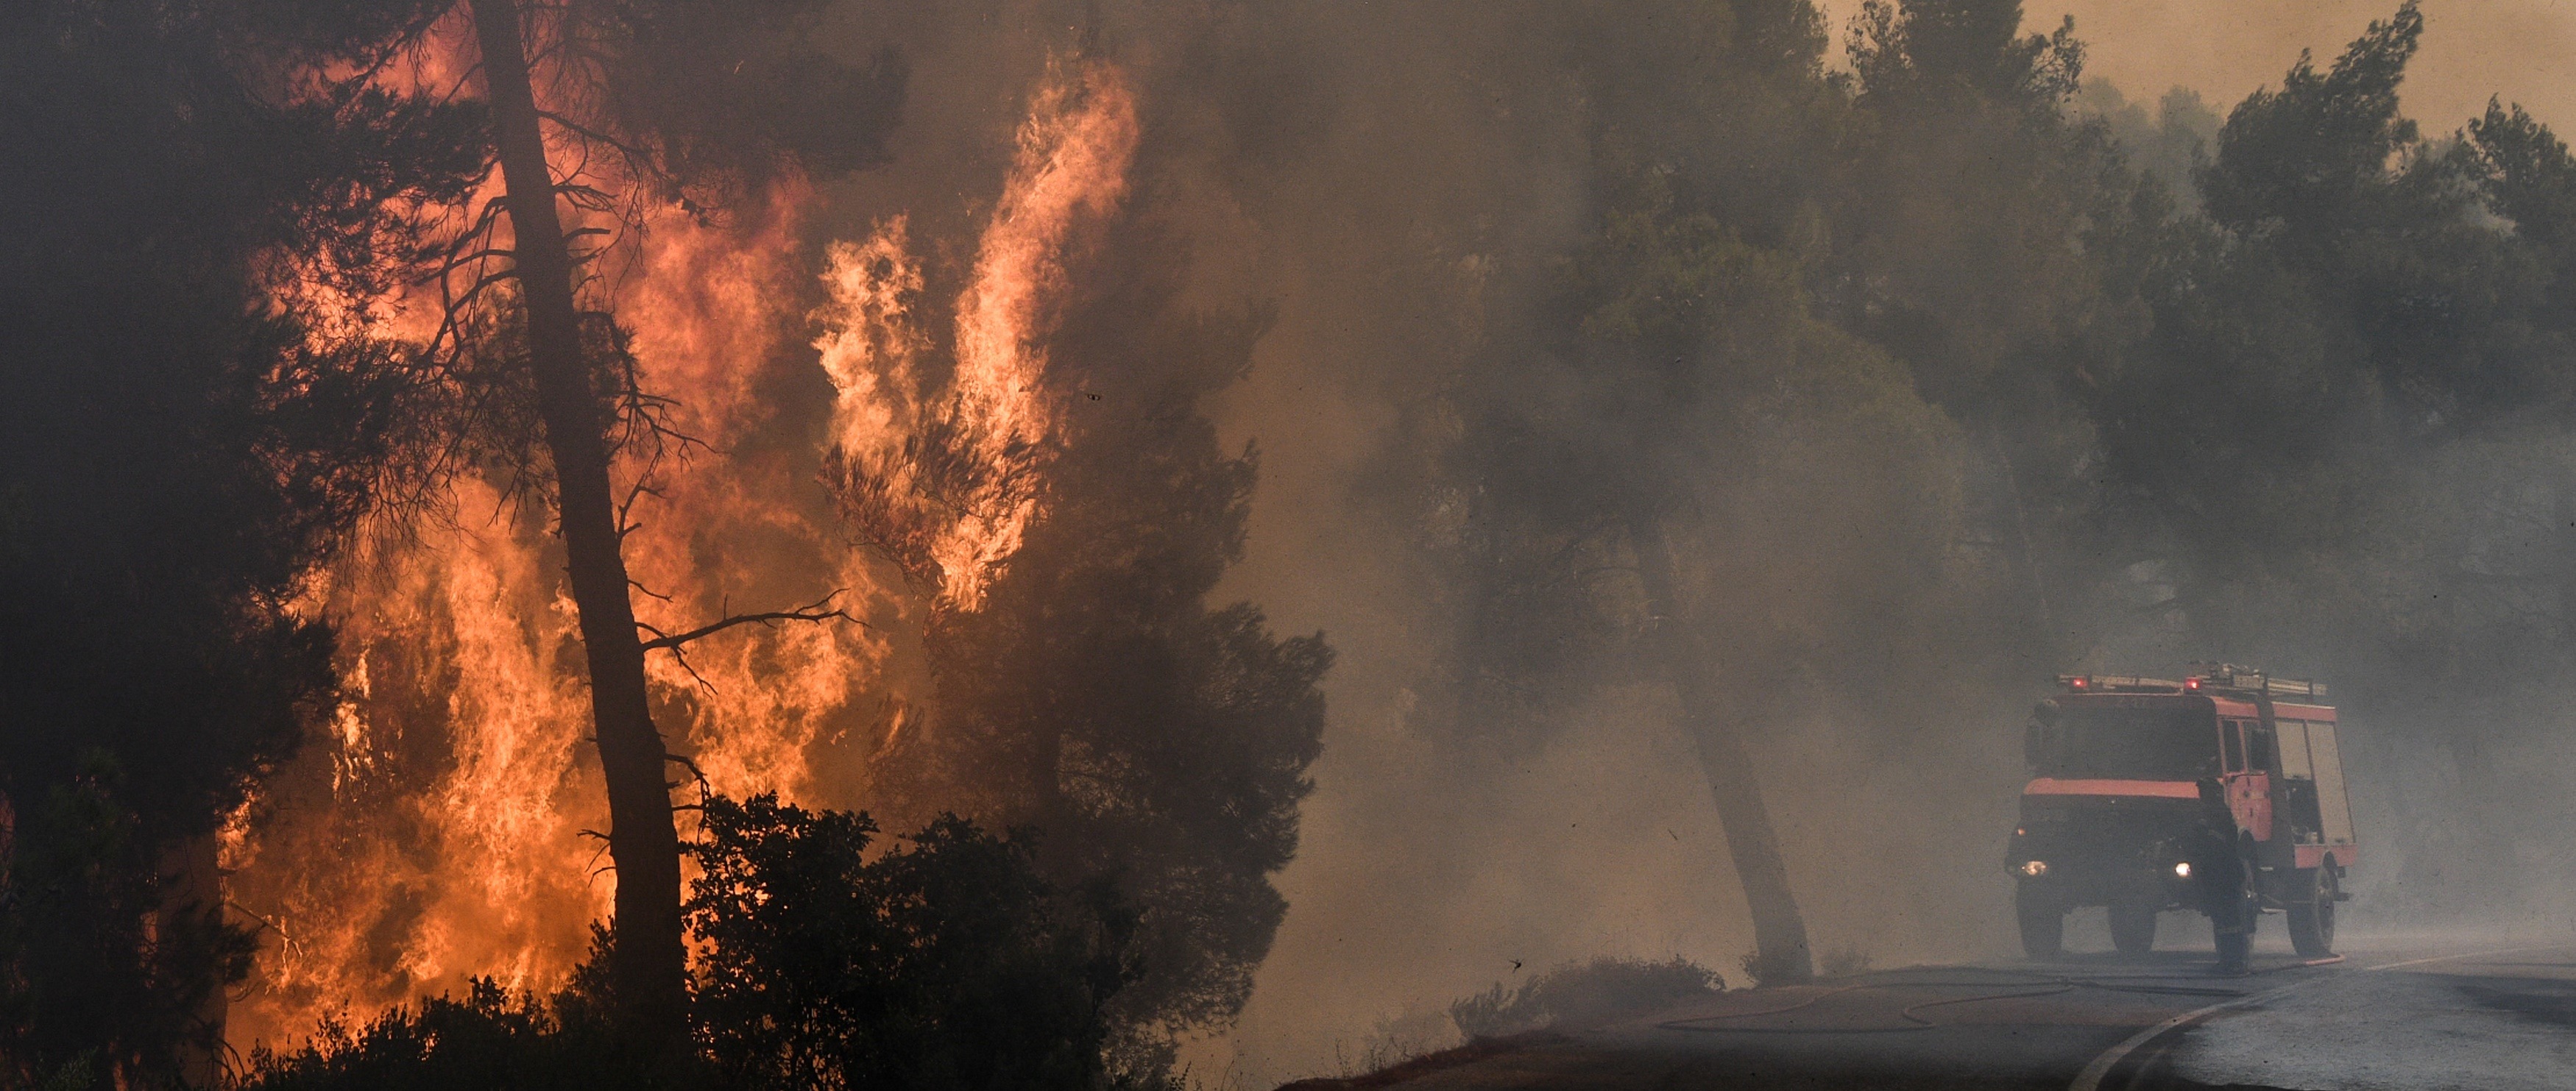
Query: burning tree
point(1053, 489)
point(604, 118)
point(953, 441)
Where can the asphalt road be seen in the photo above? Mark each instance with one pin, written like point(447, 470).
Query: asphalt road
point(2395, 1013)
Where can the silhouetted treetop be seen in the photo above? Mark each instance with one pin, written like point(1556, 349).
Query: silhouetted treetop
point(2310, 156)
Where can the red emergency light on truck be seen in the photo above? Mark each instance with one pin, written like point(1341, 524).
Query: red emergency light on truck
point(2222, 793)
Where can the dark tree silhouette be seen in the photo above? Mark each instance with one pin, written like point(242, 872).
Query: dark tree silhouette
point(1146, 737)
point(183, 443)
point(947, 962)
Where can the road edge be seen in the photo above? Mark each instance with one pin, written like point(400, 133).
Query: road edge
point(2090, 1079)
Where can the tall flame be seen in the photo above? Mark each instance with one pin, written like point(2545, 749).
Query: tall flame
point(377, 885)
point(759, 530)
point(450, 836)
point(1070, 169)
point(442, 827)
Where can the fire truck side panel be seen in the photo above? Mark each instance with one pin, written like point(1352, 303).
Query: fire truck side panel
point(2294, 750)
point(2334, 811)
point(2321, 827)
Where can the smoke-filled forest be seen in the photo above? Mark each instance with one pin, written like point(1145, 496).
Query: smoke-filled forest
point(1036, 543)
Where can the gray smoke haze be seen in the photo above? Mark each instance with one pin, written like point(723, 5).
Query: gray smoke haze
point(1398, 180)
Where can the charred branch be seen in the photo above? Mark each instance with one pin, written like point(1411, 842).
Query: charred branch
point(820, 610)
point(593, 133)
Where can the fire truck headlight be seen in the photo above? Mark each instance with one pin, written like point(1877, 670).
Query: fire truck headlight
point(2032, 869)
point(2182, 870)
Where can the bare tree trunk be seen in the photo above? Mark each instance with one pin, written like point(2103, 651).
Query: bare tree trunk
point(648, 965)
point(1779, 930)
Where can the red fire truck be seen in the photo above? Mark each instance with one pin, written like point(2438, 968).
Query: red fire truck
point(2222, 793)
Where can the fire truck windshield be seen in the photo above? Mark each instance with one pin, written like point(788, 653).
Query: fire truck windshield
point(2132, 744)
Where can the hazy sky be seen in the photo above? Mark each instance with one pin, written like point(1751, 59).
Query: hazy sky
point(2524, 50)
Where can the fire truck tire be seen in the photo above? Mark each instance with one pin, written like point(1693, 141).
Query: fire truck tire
point(2312, 913)
point(2043, 924)
point(2133, 928)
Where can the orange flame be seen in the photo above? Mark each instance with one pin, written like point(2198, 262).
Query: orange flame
point(437, 829)
point(481, 870)
point(1071, 168)
point(442, 834)
point(759, 534)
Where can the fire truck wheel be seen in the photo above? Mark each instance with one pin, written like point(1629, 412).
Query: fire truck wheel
point(2133, 928)
point(2312, 914)
point(2043, 923)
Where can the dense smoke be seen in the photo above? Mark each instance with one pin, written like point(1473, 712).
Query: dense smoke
point(2366, 541)
point(1410, 185)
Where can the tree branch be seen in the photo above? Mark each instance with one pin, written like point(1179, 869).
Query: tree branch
point(587, 133)
point(814, 612)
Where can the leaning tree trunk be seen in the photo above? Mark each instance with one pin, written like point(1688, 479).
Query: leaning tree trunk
point(1779, 931)
point(647, 963)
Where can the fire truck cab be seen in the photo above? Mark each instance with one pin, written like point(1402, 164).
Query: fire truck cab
point(2222, 793)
